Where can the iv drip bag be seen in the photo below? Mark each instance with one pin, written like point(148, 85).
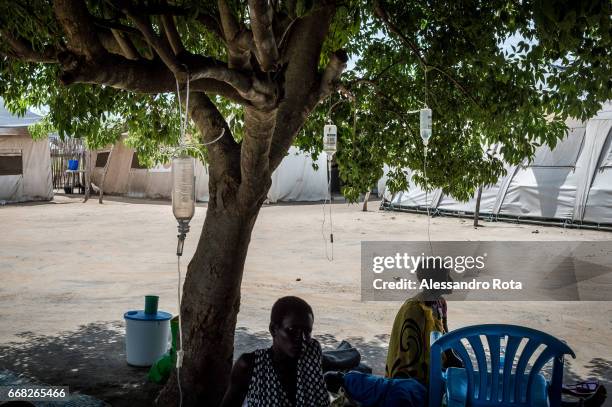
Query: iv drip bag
point(183, 188)
point(330, 139)
point(425, 125)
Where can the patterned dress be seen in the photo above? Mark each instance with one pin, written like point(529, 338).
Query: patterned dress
point(408, 353)
point(265, 389)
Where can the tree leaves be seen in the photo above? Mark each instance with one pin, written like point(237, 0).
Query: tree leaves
point(495, 73)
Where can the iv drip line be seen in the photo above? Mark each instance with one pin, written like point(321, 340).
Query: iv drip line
point(331, 225)
point(427, 199)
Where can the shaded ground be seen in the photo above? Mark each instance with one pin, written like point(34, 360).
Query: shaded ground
point(68, 269)
point(91, 361)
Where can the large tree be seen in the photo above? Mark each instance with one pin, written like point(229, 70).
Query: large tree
point(494, 72)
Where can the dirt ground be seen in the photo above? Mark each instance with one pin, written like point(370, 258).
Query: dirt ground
point(70, 270)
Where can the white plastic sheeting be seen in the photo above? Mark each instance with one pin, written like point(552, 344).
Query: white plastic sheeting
point(35, 183)
point(593, 157)
point(598, 203)
point(295, 179)
point(546, 187)
point(416, 196)
point(571, 182)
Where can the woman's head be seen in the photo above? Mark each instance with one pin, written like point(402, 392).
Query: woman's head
point(291, 325)
point(435, 274)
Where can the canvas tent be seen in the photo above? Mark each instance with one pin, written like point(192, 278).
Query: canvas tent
point(571, 183)
point(25, 164)
point(294, 180)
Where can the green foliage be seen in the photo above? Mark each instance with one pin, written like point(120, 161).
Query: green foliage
point(481, 93)
point(495, 73)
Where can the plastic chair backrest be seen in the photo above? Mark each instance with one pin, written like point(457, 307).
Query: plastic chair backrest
point(495, 387)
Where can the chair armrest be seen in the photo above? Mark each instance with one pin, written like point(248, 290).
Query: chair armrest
point(434, 336)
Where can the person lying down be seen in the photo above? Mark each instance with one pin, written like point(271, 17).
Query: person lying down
point(288, 374)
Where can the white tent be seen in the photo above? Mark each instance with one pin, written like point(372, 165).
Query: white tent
point(294, 180)
point(125, 176)
point(25, 164)
point(571, 183)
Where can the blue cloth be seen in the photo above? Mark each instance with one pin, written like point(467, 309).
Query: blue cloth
point(377, 391)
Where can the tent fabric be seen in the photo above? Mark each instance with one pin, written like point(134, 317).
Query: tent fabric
point(547, 192)
point(415, 196)
point(571, 182)
point(294, 180)
point(487, 201)
point(33, 181)
point(597, 133)
point(381, 186)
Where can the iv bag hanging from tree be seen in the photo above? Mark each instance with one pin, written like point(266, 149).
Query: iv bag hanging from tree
point(183, 188)
point(425, 125)
point(330, 139)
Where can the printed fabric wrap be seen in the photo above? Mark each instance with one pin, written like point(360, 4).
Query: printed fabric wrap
point(408, 354)
point(265, 389)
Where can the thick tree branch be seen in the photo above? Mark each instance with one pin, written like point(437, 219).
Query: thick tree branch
point(22, 50)
point(110, 43)
point(262, 15)
point(331, 75)
point(128, 38)
point(162, 48)
point(261, 94)
point(254, 157)
point(211, 24)
point(116, 25)
point(76, 22)
point(127, 47)
point(224, 154)
point(239, 42)
point(211, 124)
point(150, 8)
point(230, 25)
point(172, 34)
point(303, 82)
point(141, 76)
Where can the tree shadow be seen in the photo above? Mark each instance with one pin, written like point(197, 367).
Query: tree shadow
point(90, 360)
point(598, 369)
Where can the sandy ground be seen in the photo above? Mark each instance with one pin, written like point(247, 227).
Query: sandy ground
point(70, 270)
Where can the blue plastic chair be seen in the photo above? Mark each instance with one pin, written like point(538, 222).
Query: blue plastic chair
point(499, 386)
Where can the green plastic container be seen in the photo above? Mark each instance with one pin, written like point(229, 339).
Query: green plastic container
point(160, 371)
point(151, 304)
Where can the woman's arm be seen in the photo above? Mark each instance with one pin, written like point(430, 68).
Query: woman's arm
point(239, 381)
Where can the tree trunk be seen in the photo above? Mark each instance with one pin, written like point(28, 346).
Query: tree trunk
point(87, 175)
point(110, 155)
point(477, 210)
point(365, 201)
point(211, 291)
point(211, 300)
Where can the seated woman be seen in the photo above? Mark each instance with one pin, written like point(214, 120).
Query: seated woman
point(288, 374)
point(407, 368)
point(417, 318)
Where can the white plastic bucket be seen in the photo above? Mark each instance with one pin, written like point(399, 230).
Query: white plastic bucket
point(146, 337)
